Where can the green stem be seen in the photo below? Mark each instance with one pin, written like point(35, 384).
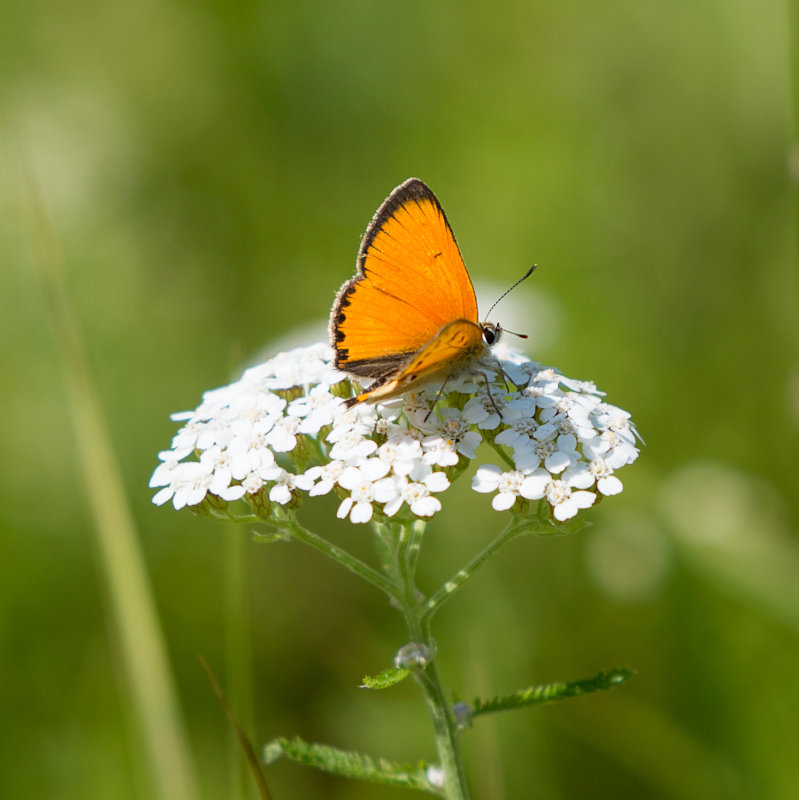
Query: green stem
point(513, 529)
point(408, 542)
point(344, 558)
point(455, 785)
point(414, 547)
point(500, 451)
point(146, 675)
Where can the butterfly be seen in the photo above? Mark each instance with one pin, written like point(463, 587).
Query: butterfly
point(409, 316)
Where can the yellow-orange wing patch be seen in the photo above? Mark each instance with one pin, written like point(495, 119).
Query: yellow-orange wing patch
point(411, 283)
point(453, 347)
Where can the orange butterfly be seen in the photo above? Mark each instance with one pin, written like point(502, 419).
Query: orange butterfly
point(409, 316)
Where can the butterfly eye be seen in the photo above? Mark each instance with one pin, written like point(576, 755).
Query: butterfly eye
point(491, 333)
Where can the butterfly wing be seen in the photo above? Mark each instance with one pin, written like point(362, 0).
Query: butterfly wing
point(453, 346)
point(411, 282)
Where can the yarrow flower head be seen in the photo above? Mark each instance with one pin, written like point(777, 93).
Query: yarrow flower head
point(282, 433)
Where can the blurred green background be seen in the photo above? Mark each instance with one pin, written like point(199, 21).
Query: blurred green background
point(208, 169)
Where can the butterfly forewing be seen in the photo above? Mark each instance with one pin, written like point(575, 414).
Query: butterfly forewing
point(411, 282)
point(410, 252)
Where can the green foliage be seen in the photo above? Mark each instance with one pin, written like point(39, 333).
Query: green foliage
point(347, 764)
point(546, 693)
point(390, 676)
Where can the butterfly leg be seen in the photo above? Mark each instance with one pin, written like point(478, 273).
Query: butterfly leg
point(438, 395)
point(505, 378)
point(490, 395)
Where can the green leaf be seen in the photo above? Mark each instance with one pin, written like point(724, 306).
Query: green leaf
point(549, 692)
point(349, 764)
point(387, 677)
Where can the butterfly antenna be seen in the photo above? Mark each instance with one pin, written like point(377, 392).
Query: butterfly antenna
point(513, 333)
point(523, 278)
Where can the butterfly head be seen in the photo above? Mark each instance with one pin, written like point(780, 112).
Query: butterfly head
point(492, 333)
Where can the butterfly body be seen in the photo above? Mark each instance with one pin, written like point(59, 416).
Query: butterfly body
point(409, 316)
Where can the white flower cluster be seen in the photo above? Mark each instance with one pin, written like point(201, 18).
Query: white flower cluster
point(282, 431)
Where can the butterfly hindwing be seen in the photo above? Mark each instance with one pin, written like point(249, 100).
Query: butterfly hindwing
point(453, 346)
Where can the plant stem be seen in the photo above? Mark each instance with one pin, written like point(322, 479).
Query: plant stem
point(413, 548)
point(449, 588)
point(500, 451)
point(407, 543)
point(134, 625)
point(344, 558)
point(451, 762)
